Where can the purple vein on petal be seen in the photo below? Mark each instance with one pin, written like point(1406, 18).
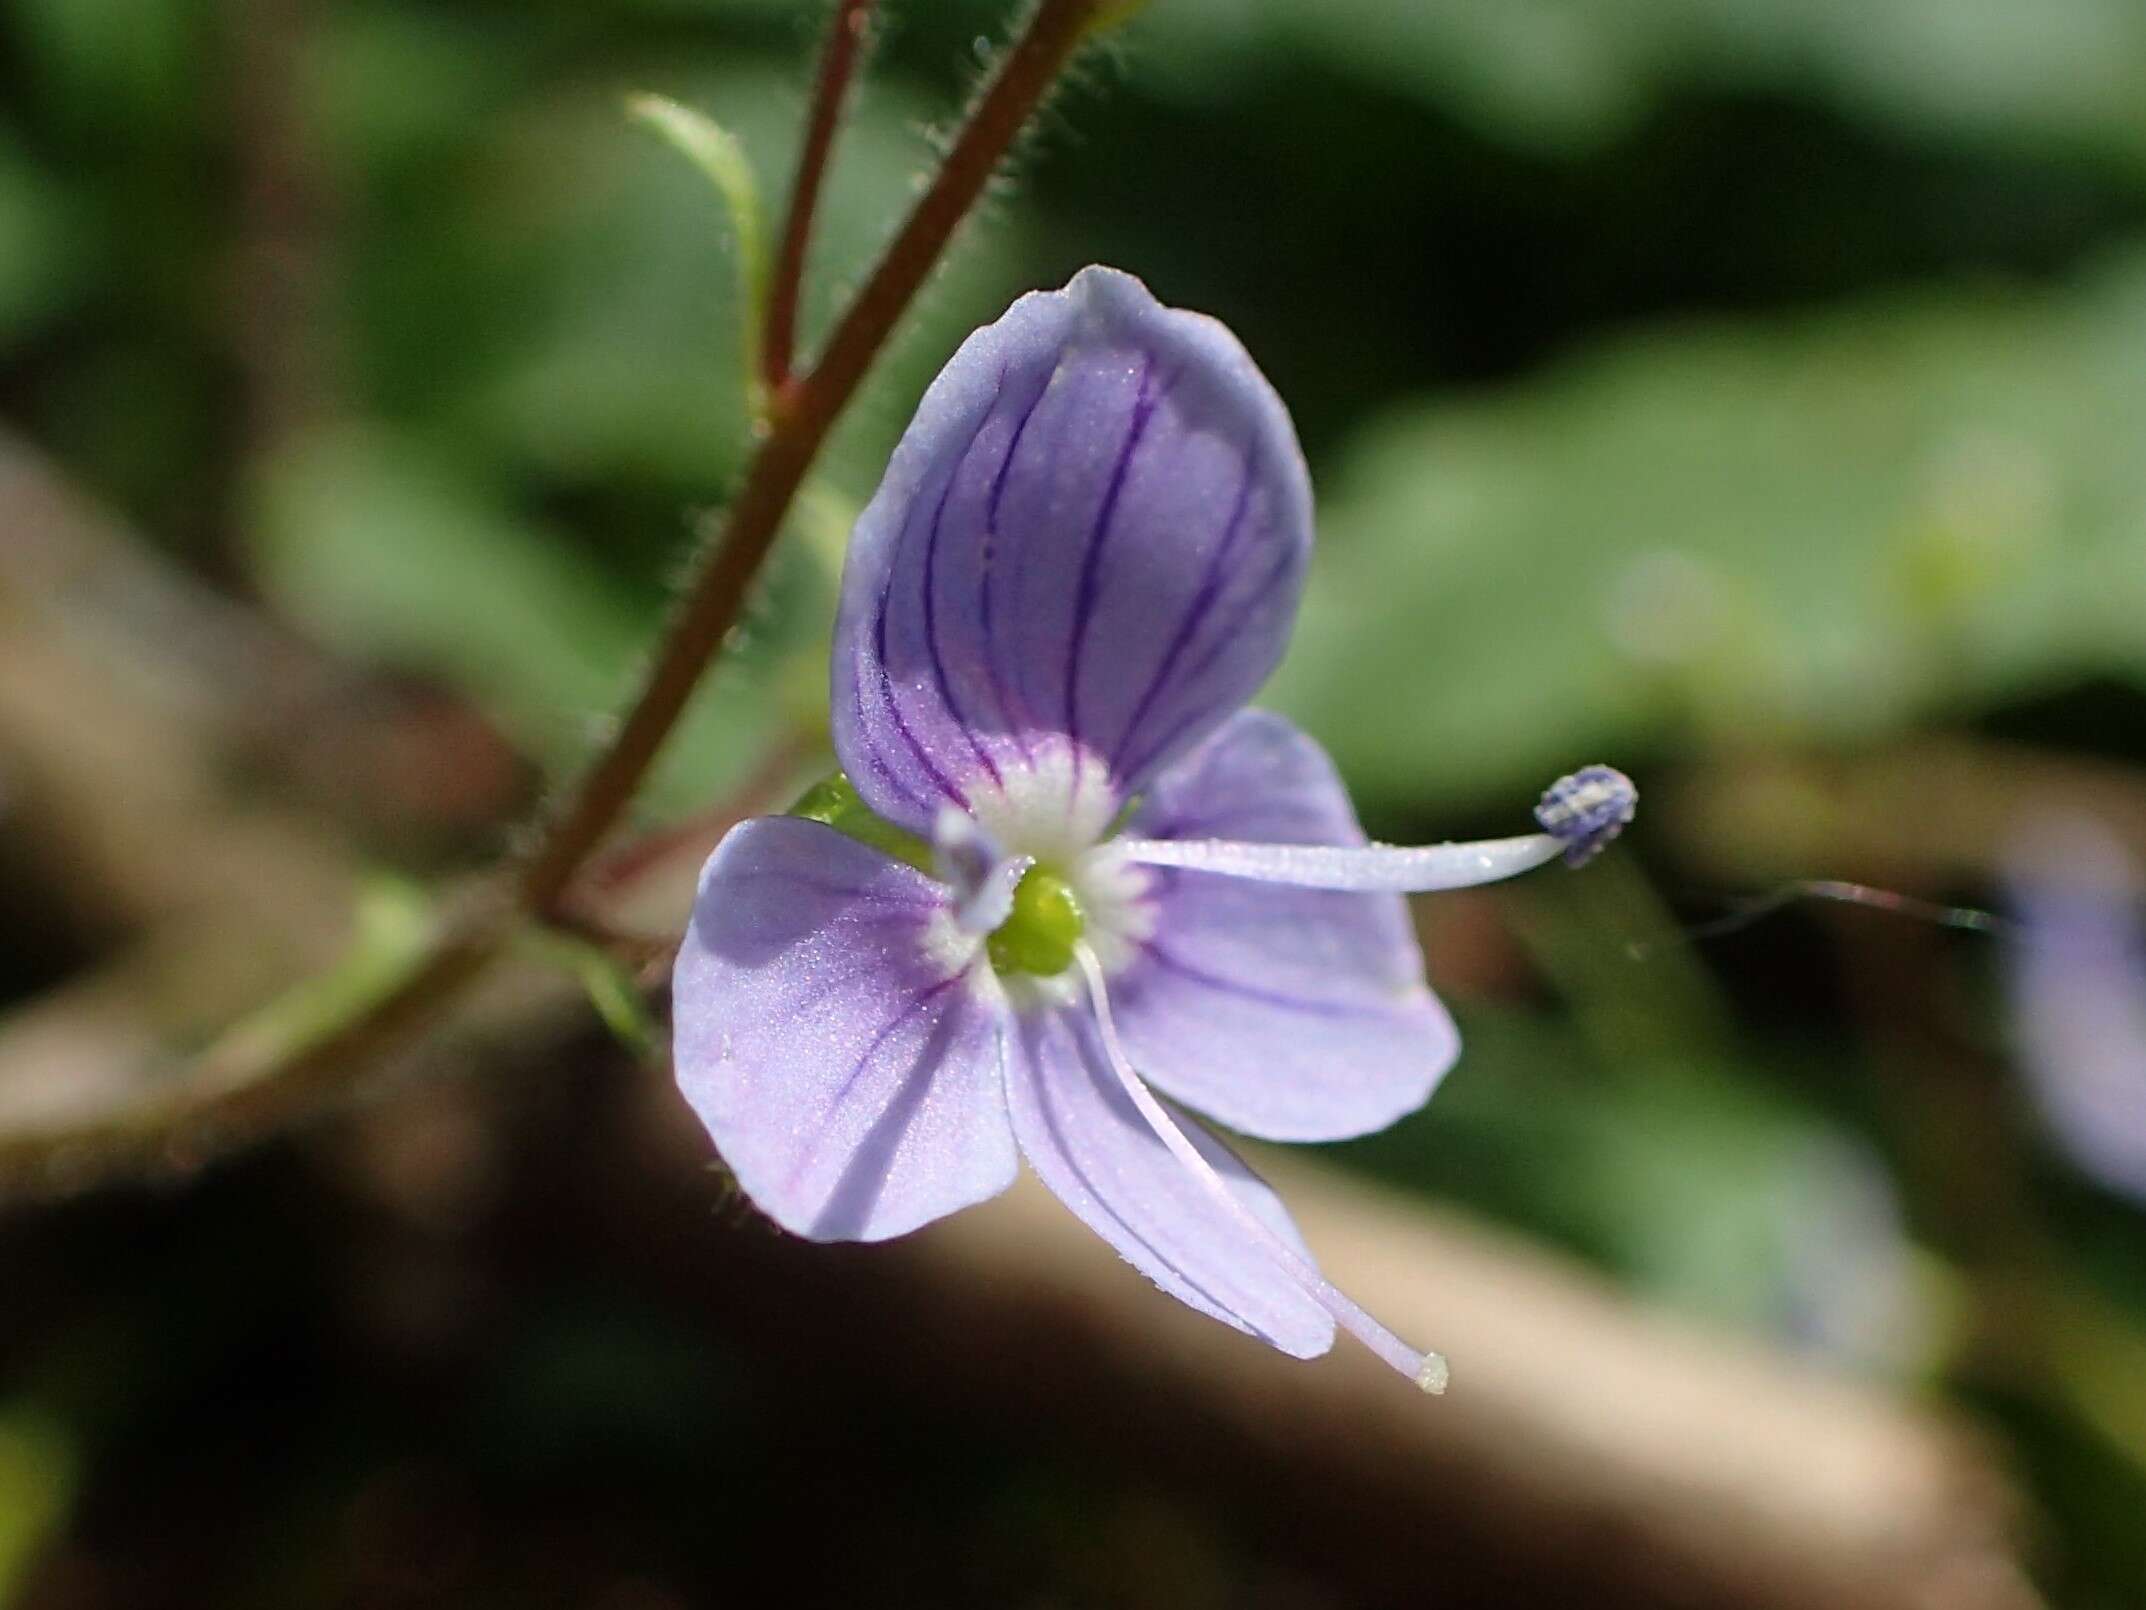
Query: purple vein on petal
point(865, 1175)
point(1253, 992)
point(894, 706)
point(872, 676)
point(1202, 601)
point(915, 1004)
point(1195, 825)
point(812, 996)
point(1006, 694)
point(931, 616)
point(1091, 565)
point(1102, 1198)
point(1249, 606)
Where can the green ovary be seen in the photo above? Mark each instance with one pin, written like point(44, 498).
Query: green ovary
point(1045, 925)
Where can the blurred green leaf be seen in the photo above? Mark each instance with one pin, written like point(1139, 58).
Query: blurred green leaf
point(559, 304)
point(116, 69)
point(392, 928)
point(1567, 73)
point(394, 556)
point(1698, 1184)
point(35, 244)
point(711, 148)
point(389, 85)
point(38, 1471)
point(607, 981)
point(1816, 529)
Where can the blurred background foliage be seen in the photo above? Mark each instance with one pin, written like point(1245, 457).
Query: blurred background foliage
point(1685, 381)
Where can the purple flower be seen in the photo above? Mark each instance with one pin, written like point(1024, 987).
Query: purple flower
point(1060, 851)
point(2078, 990)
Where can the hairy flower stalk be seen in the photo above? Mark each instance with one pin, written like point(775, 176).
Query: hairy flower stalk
point(1063, 874)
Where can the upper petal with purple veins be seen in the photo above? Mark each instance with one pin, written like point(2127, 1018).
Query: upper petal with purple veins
point(1090, 541)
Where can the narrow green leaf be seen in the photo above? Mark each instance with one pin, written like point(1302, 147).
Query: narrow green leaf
point(392, 928)
point(606, 980)
point(717, 153)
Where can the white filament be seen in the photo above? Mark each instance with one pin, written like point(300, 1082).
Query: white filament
point(981, 874)
point(1427, 1370)
point(1364, 869)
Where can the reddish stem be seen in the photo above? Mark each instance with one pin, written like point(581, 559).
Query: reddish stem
point(838, 63)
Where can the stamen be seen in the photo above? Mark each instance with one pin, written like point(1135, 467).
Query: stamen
point(1427, 1370)
point(1364, 869)
point(1580, 814)
point(1587, 809)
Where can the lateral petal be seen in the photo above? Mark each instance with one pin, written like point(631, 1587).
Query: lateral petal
point(1086, 1142)
point(1286, 1013)
point(829, 1039)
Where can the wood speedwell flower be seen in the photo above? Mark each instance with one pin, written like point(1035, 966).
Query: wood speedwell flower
point(1063, 869)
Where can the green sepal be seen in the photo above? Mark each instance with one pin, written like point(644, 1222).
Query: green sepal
point(834, 801)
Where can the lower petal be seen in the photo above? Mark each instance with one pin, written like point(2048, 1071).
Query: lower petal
point(1086, 1141)
point(846, 1071)
point(1287, 1013)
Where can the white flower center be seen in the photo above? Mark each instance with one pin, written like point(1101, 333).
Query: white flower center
point(1053, 811)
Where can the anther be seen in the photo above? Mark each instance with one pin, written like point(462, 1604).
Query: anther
point(1586, 810)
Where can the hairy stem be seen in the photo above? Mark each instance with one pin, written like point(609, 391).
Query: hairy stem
point(838, 63)
point(801, 418)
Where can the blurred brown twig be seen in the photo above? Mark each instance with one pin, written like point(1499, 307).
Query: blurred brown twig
point(838, 61)
point(1589, 1453)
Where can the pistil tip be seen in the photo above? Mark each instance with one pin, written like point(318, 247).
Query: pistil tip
point(1434, 1374)
point(1586, 810)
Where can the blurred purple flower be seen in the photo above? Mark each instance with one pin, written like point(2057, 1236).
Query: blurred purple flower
point(1060, 850)
point(2078, 989)
point(1847, 1286)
